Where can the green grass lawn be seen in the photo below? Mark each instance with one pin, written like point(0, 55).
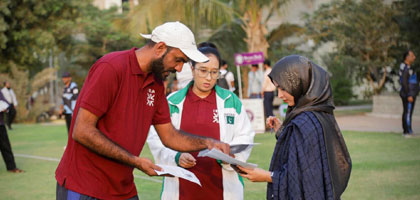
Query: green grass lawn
point(385, 165)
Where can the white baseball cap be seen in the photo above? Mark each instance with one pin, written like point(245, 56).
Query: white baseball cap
point(176, 34)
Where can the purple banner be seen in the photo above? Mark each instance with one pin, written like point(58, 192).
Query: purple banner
point(249, 58)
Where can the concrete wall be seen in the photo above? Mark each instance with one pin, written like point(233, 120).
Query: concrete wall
point(391, 105)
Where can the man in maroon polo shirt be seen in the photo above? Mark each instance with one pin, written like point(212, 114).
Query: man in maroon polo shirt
point(122, 96)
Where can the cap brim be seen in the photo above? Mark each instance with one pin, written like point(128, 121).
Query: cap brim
point(195, 55)
point(147, 36)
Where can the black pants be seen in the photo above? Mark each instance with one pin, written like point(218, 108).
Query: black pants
point(407, 114)
point(68, 121)
point(62, 193)
point(268, 103)
point(6, 149)
point(11, 115)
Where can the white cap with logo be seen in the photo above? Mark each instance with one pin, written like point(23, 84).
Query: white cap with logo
point(176, 34)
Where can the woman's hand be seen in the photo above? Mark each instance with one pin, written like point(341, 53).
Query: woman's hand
point(256, 174)
point(186, 160)
point(273, 122)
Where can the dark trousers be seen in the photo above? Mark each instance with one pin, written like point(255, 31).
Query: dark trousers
point(407, 114)
point(62, 193)
point(11, 115)
point(68, 121)
point(268, 103)
point(6, 149)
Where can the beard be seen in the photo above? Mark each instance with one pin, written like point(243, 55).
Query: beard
point(158, 68)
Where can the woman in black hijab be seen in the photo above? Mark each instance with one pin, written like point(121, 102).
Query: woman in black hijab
point(310, 160)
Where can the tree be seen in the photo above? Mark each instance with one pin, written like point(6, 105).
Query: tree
point(365, 30)
point(98, 35)
point(30, 29)
point(408, 20)
point(198, 15)
point(235, 25)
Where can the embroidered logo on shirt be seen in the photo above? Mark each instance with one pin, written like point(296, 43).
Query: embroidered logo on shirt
point(150, 97)
point(230, 119)
point(215, 116)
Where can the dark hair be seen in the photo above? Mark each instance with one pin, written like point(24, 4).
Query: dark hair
point(405, 55)
point(207, 44)
point(267, 62)
point(207, 51)
point(254, 65)
point(223, 62)
point(150, 43)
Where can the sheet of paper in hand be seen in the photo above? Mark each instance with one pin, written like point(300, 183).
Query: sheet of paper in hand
point(178, 172)
point(218, 155)
point(3, 106)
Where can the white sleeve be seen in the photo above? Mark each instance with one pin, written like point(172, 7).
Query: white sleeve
point(244, 134)
point(230, 77)
point(161, 154)
point(14, 100)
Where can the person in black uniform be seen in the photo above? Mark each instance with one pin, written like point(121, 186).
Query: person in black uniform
point(5, 147)
point(409, 90)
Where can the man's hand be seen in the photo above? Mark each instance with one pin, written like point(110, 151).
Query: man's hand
point(410, 99)
point(147, 166)
point(212, 143)
point(256, 174)
point(186, 160)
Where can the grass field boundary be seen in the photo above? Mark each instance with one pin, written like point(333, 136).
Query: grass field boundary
point(58, 160)
point(37, 157)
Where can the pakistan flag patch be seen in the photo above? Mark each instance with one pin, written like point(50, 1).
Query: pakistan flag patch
point(230, 119)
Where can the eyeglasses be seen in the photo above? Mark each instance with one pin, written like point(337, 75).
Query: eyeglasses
point(203, 73)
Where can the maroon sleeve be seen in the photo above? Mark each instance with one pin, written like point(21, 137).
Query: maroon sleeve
point(161, 115)
point(101, 88)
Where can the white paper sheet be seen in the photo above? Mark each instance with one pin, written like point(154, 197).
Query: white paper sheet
point(3, 106)
point(178, 172)
point(218, 155)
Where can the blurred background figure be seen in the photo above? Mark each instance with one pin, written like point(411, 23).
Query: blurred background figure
point(10, 97)
point(255, 79)
point(70, 93)
point(268, 89)
point(226, 79)
point(5, 147)
point(409, 91)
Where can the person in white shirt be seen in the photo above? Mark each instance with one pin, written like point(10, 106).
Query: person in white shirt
point(228, 75)
point(268, 89)
point(255, 79)
point(10, 96)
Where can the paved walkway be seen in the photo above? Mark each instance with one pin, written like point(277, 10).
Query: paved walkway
point(371, 123)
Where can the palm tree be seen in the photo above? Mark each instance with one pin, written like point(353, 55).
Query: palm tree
point(235, 25)
point(201, 16)
point(251, 25)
